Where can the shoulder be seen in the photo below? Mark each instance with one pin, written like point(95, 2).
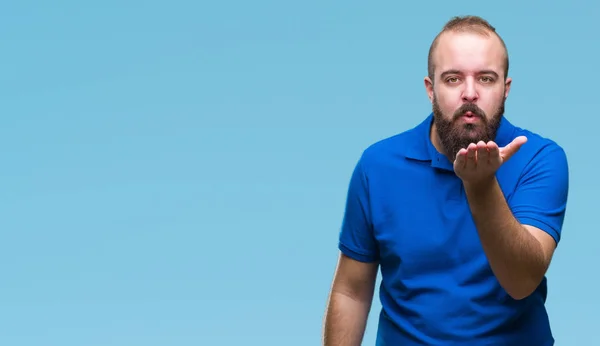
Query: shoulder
point(536, 183)
point(539, 150)
point(391, 149)
point(541, 160)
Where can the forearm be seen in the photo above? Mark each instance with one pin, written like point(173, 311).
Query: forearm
point(515, 255)
point(345, 320)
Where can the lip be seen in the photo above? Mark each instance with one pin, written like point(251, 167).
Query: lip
point(469, 117)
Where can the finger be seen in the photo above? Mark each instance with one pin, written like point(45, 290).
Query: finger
point(482, 153)
point(494, 153)
point(471, 156)
point(461, 159)
point(508, 151)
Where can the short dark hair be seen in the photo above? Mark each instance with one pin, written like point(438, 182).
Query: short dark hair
point(473, 24)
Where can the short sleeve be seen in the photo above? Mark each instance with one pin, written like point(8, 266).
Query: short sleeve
point(540, 199)
point(356, 236)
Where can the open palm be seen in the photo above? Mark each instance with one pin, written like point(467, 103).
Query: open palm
point(479, 162)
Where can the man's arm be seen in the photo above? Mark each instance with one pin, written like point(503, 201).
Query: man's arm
point(353, 285)
point(519, 255)
point(519, 240)
point(349, 302)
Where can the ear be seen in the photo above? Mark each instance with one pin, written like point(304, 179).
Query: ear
point(507, 85)
point(429, 88)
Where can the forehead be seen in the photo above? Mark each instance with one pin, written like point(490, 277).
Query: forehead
point(469, 53)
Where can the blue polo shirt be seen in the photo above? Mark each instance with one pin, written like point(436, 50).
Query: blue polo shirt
point(407, 210)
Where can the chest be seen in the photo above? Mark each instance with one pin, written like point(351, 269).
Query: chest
point(423, 223)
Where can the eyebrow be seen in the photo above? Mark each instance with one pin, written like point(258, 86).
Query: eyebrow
point(448, 72)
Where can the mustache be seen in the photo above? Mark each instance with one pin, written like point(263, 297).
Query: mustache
point(469, 107)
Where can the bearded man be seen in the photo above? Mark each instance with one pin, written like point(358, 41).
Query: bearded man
point(461, 214)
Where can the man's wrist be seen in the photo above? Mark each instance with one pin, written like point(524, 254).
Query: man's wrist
point(481, 188)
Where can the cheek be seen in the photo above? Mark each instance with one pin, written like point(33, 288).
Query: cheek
point(448, 105)
point(492, 102)
point(448, 99)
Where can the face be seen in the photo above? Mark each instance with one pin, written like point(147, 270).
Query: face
point(469, 90)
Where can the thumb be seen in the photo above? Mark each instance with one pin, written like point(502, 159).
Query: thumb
point(514, 146)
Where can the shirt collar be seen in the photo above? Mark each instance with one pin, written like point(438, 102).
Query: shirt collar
point(422, 148)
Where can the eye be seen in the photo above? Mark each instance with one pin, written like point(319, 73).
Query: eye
point(486, 79)
point(452, 80)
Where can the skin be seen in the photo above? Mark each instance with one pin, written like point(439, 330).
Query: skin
point(469, 69)
point(349, 302)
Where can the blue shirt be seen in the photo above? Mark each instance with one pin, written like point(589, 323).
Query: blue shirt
point(407, 210)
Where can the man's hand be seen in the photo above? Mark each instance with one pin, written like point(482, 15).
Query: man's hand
point(479, 162)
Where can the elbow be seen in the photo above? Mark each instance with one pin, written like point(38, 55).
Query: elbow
point(524, 282)
point(520, 295)
point(523, 289)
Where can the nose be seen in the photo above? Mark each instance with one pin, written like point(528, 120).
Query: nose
point(470, 91)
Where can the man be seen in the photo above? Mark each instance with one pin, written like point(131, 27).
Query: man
point(462, 214)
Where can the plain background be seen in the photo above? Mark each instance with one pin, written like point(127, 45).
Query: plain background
point(174, 173)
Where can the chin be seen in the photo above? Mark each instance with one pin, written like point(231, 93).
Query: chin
point(472, 133)
point(469, 129)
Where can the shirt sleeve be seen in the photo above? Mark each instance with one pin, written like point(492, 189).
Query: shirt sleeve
point(540, 199)
point(356, 238)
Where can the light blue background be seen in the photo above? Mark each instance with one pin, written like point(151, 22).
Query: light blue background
point(174, 173)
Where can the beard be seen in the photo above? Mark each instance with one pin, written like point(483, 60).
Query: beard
point(455, 135)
